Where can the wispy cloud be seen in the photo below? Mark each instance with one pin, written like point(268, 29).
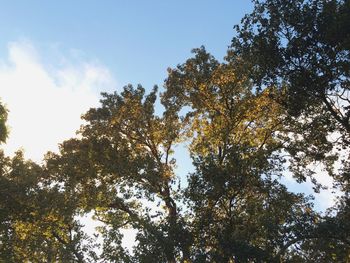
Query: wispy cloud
point(45, 102)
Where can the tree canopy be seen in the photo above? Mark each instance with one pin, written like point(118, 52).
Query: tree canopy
point(278, 103)
point(302, 49)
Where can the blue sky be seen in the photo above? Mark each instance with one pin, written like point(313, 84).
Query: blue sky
point(56, 56)
point(136, 40)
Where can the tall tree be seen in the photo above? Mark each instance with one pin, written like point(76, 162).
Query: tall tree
point(302, 48)
point(283, 89)
point(235, 210)
point(238, 211)
point(122, 161)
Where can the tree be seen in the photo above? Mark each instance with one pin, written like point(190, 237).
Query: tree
point(282, 90)
point(302, 49)
point(123, 160)
point(238, 211)
point(233, 200)
point(3, 119)
point(37, 221)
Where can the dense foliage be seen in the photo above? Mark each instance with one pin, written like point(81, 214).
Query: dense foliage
point(278, 103)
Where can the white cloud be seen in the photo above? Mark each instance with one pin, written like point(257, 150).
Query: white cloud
point(44, 102)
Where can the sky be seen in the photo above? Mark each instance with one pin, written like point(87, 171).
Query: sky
point(55, 51)
point(57, 56)
point(136, 40)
